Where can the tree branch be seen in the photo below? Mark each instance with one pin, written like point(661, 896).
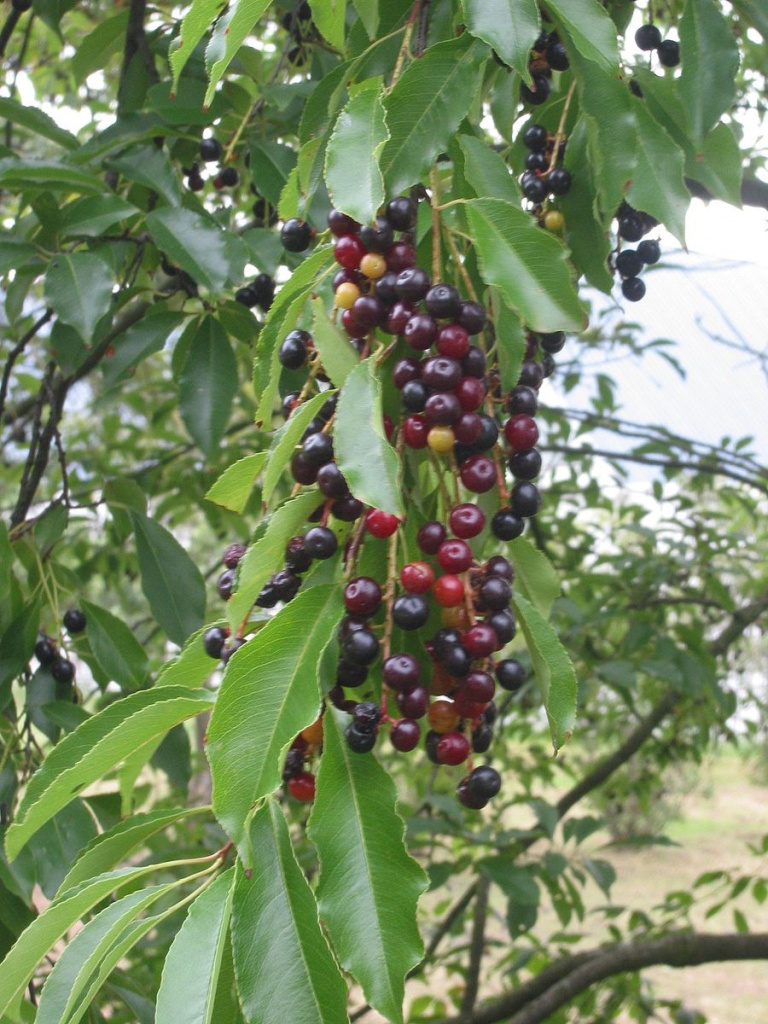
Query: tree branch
point(135, 43)
point(15, 352)
point(477, 947)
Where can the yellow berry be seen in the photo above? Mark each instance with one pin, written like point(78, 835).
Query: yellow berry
point(373, 265)
point(455, 618)
point(440, 439)
point(442, 715)
point(554, 221)
point(345, 295)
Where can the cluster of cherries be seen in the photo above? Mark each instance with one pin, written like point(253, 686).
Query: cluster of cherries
point(544, 177)
point(629, 263)
point(547, 55)
point(50, 656)
point(648, 38)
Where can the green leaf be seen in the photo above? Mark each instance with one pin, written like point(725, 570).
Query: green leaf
point(95, 50)
point(756, 13)
point(426, 106)
point(368, 10)
point(228, 36)
point(282, 318)
point(95, 748)
point(151, 167)
point(16, 646)
point(18, 175)
point(267, 554)
point(172, 583)
point(91, 216)
point(270, 692)
point(602, 871)
point(511, 27)
point(527, 265)
point(515, 881)
point(718, 167)
point(510, 340)
point(194, 25)
point(208, 384)
point(709, 56)
point(271, 166)
point(140, 341)
point(352, 174)
point(330, 18)
point(79, 287)
point(14, 252)
point(37, 121)
point(365, 457)
point(486, 171)
point(197, 243)
point(46, 930)
point(285, 440)
point(109, 848)
point(233, 488)
point(535, 577)
point(555, 676)
point(586, 235)
point(115, 647)
point(191, 970)
point(658, 187)
point(338, 356)
point(284, 968)
point(590, 30)
point(83, 953)
point(358, 835)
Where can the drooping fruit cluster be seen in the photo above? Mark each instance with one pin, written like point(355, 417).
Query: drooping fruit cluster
point(648, 38)
point(629, 263)
point(547, 55)
point(544, 178)
point(52, 658)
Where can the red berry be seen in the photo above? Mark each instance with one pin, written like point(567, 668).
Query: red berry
point(453, 341)
point(470, 392)
point(521, 432)
point(454, 556)
point(480, 640)
point(478, 474)
point(302, 787)
point(415, 431)
point(452, 748)
point(405, 734)
point(448, 591)
point(398, 318)
point(479, 687)
point(381, 524)
point(467, 521)
point(348, 251)
point(430, 536)
point(400, 256)
point(351, 324)
point(467, 707)
point(362, 596)
point(469, 428)
point(340, 224)
point(405, 371)
point(420, 331)
point(413, 703)
point(417, 577)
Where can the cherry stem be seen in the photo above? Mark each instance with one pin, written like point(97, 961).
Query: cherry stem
point(435, 203)
point(405, 46)
point(560, 133)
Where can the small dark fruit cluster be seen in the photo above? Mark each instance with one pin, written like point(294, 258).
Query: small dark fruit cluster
point(211, 152)
point(547, 55)
point(544, 178)
point(258, 292)
point(299, 24)
point(648, 38)
point(629, 263)
point(55, 661)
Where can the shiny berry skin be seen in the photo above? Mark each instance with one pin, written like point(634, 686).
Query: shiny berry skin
point(448, 591)
point(535, 189)
point(478, 474)
point(525, 465)
point(467, 708)
point(531, 374)
point(521, 432)
point(410, 611)
point(536, 162)
point(414, 395)
point(442, 715)
point(633, 289)
point(466, 521)
point(296, 235)
point(535, 138)
point(443, 640)
point(479, 687)
point(210, 150)
point(505, 525)
point(457, 661)
point(229, 177)
point(62, 670)
point(480, 640)
point(454, 556)
point(417, 577)
point(45, 651)
point(377, 237)
point(421, 331)
point(416, 432)
point(647, 37)
point(440, 373)
point(401, 672)
point(331, 481)
point(629, 263)
point(468, 428)
point(525, 499)
point(400, 256)
point(401, 213)
point(452, 341)
point(510, 674)
point(302, 471)
point(649, 251)
point(317, 450)
point(412, 284)
point(346, 295)
point(556, 55)
point(297, 557)
point(398, 317)
point(500, 566)
point(369, 311)
point(441, 439)
point(302, 787)
point(472, 317)
point(480, 786)
point(351, 324)
point(359, 742)
point(225, 584)
point(340, 224)
point(413, 703)
point(631, 226)
point(559, 181)
point(213, 641)
point(473, 364)
point(360, 648)
point(406, 370)
point(442, 409)
point(452, 748)
point(74, 621)
point(443, 302)
point(381, 524)
point(522, 400)
point(293, 351)
point(430, 536)
point(482, 737)
point(347, 509)
point(552, 343)
point(504, 625)
point(470, 392)
point(538, 94)
point(405, 735)
point(384, 288)
point(349, 251)
point(362, 596)
point(320, 542)
point(350, 675)
point(494, 593)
